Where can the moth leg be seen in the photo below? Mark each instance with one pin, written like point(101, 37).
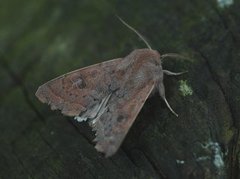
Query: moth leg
point(101, 110)
point(96, 111)
point(101, 106)
point(162, 94)
point(167, 72)
point(94, 120)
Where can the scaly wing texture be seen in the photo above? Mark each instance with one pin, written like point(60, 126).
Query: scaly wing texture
point(80, 90)
point(109, 94)
point(112, 126)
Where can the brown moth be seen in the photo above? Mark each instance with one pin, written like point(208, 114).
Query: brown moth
point(109, 95)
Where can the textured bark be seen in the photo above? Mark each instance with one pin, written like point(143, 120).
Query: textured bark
point(44, 39)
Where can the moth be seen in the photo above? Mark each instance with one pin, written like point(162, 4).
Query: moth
point(109, 95)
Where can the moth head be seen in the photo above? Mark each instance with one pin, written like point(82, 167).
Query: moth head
point(154, 57)
point(146, 56)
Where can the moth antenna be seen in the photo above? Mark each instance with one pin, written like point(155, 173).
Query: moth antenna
point(134, 30)
point(174, 55)
point(170, 73)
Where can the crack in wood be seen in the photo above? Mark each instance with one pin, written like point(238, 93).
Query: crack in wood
point(235, 142)
point(21, 163)
point(158, 171)
point(18, 81)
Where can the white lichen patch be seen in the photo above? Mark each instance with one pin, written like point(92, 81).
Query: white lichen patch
point(203, 158)
point(185, 89)
point(217, 155)
point(224, 3)
point(180, 162)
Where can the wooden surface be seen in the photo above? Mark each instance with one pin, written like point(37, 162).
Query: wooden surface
point(41, 40)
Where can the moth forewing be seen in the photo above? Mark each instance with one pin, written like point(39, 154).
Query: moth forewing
point(109, 94)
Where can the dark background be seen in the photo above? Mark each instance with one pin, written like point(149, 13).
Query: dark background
point(42, 39)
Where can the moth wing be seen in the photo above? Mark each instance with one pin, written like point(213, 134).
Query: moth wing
point(113, 125)
point(79, 90)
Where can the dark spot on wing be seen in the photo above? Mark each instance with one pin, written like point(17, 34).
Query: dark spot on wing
point(120, 118)
point(94, 73)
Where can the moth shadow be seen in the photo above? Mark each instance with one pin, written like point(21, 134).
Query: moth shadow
point(154, 112)
point(148, 115)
